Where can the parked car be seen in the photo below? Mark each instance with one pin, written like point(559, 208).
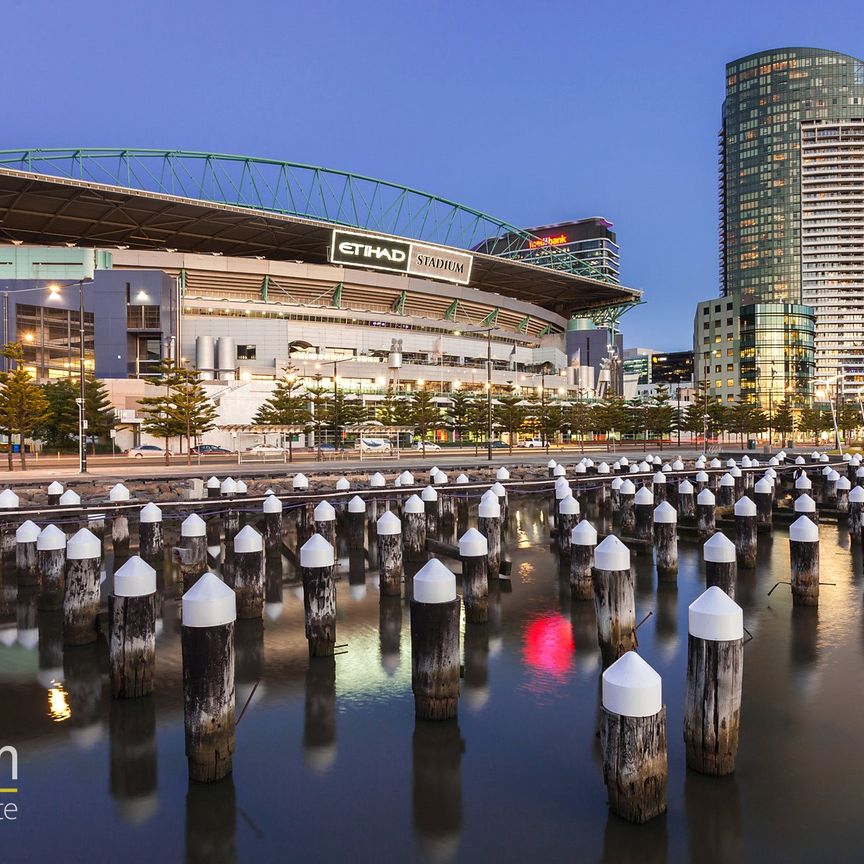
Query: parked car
point(374, 445)
point(265, 448)
point(428, 445)
point(532, 442)
point(146, 451)
point(496, 445)
point(208, 450)
point(326, 448)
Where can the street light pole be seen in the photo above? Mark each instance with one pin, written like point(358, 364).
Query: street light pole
point(489, 396)
point(82, 424)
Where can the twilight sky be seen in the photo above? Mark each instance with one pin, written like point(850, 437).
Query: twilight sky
point(533, 112)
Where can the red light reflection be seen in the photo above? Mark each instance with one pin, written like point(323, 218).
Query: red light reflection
point(547, 645)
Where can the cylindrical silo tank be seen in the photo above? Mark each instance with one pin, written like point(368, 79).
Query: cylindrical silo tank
point(226, 358)
point(204, 357)
point(394, 361)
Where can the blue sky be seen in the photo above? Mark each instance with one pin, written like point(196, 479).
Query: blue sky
point(534, 112)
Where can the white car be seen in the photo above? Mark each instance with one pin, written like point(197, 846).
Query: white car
point(428, 445)
point(266, 448)
point(374, 445)
point(146, 450)
point(532, 442)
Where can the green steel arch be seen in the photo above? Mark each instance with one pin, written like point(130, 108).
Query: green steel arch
point(290, 188)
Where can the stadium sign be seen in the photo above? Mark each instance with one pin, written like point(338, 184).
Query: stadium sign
point(398, 256)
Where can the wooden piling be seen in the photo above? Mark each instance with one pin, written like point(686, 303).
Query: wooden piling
point(568, 517)
point(856, 513)
point(804, 561)
point(356, 524)
point(317, 557)
point(719, 555)
point(643, 514)
point(614, 599)
point(51, 564)
point(151, 541)
point(249, 573)
point(746, 520)
point(390, 567)
point(132, 638)
point(763, 497)
point(665, 520)
point(272, 508)
point(26, 536)
point(626, 517)
point(429, 496)
point(81, 596)
point(489, 525)
point(474, 554)
point(583, 540)
point(686, 501)
point(414, 529)
point(705, 515)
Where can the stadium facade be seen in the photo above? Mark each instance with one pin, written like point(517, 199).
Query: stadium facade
point(243, 268)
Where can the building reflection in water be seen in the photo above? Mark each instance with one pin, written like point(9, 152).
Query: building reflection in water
point(437, 788)
point(211, 823)
point(132, 730)
point(319, 721)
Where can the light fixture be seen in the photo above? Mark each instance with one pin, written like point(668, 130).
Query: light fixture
point(53, 292)
point(28, 337)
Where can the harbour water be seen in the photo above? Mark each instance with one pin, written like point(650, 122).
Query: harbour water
point(331, 765)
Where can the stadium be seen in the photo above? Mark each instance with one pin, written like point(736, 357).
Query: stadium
point(244, 267)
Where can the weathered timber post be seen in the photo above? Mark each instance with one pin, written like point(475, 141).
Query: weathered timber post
point(804, 561)
point(568, 517)
point(720, 567)
point(614, 599)
point(686, 500)
point(803, 485)
point(829, 488)
point(583, 540)
point(151, 541)
point(119, 521)
point(435, 643)
point(356, 524)
point(740, 485)
point(132, 640)
point(763, 496)
point(626, 494)
point(324, 519)
point(856, 514)
point(414, 529)
point(500, 490)
point(390, 568)
point(207, 641)
point(213, 487)
point(429, 496)
point(746, 520)
point(805, 506)
point(633, 739)
point(317, 556)
point(51, 563)
point(474, 554)
point(272, 508)
point(249, 572)
point(643, 512)
point(705, 510)
point(81, 596)
point(658, 483)
point(841, 490)
point(550, 467)
point(55, 490)
point(726, 491)
point(615, 494)
point(26, 535)
point(193, 538)
point(562, 491)
point(715, 665)
point(666, 541)
point(489, 525)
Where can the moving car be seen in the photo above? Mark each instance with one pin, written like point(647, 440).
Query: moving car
point(428, 445)
point(208, 450)
point(532, 442)
point(147, 450)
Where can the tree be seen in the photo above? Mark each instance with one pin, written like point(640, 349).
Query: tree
point(23, 406)
point(287, 406)
point(423, 414)
point(814, 421)
point(509, 414)
point(609, 416)
point(849, 419)
point(61, 420)
point(457, 412)
point(783, 421)
point(660, 415)
point(319, 398)
point(636, 420)
point(478, 421)
point(98, 411)
point(580, 421)
point(343, 411)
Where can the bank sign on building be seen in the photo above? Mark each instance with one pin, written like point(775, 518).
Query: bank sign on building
point(399, 256)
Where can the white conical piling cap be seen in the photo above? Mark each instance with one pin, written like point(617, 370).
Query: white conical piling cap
point(805, 504)
point(800, 460)
point(247, 539)
point(685, 487)
point(560, 471)
point(745, 461)
point(433, 471)
point(414, 505)
point(272, 504)
point(706, 496)
point(589, 463)
point(644, 467)
point(824, 458)
point(551, 463)
point(715, 616)
point(730, 462)
point(269, 491)
point(715, 463)
point(815, 455)
point(624, 461)
point(377, 480)
point(770, 472)
point(356, 505)
point(193, 526)
point(612, 554)
point(136, 578)
point(209, 603)
point(617, 483)
point(859, 472)
point(27, 532)
point(8, 500)
point(634, 468)
point(781, 454)
point(644, 496)
point(389, 523)
point(627, 487)
point(773, 461)
point(434, 583)
point(241, 487)
point(727, 480)
point(316, 552)
point(719, 549)
point(55, 488)
point(700, 462)
point(843, 484)
point(762, 486)
point(665, 512)
point(150, 513)
point(50, 538)
point(803, 482)
point(666, 467)
point(343, 484)
point(735, 471)
point(568, 506)
point(472, 544)
point(406, 478)
point(655, 460)
point(213, 483)
point(499, 490)
point(677, 465)
point(429, 493)
point(463, 478)
point(300, 481)
point(83, 544)
point(701, 477)
point(856, 496)
point(562, 489)
point(616, 466)
point(583, 534)
point(118, 492)
point(804, 530)
point(631, 688)
point(832, 475)
point(70, 498)
point(502, 474)
point(847, 457)
point(745, 507)
point(324, 512)
point(603, 468)
point(440, 478)
point(659, 477)
point(489, 508)
point(855, 460)
point(827, 470)
point(580, 468)
point(228, 486)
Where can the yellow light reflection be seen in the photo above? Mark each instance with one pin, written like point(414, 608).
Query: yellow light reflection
point(58, 703)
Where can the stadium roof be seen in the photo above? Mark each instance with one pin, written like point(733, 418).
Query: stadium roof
point(225, 205)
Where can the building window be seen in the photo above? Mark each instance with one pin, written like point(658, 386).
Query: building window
point(728, 306)
point(143, 318)
point(718, 368)
point(728, 322)
point(717, 308)
point(729, 352)
point(719, 382)
point(245, 352)
point(730, 382)
point(730, 367)
point(50, 338)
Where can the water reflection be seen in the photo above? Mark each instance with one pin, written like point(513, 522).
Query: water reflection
point(211, 823)
point(475, 690)
point(319, 723)
point(390, 632)
point(713, 818)
point(132, 731)
point(83, 666)
point(547, 651)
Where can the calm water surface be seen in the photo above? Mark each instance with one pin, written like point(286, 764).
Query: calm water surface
point(330, 763)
